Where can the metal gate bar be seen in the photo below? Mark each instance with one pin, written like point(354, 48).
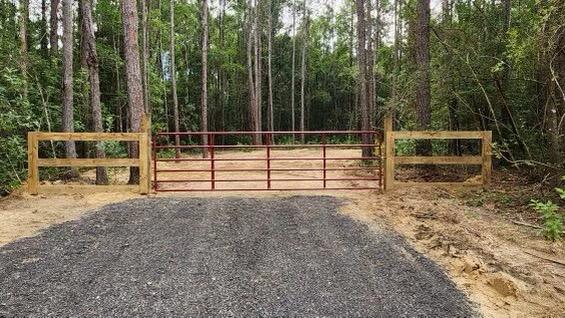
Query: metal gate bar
point(371, 163)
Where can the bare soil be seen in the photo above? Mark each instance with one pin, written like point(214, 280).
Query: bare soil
point(508, 269)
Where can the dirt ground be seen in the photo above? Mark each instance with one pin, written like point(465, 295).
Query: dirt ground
point(505, 267)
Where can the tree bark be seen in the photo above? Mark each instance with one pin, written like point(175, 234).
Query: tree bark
point(23, 34)
point(68, 118)
point(53, 27)
point(133, 76)
point(222, 73)
point(250, 72)
point(269, 63)
point(44, 42)
point(293, 75)
point(204, 78)
point(176, 116)
point(145, 53)
point(362, 80)
point(423, 97)
point(370, 55)
point(303, 71)
point(258, 67)
point(91, 59)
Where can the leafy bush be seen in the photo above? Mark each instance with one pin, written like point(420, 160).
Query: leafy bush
point(552, 216)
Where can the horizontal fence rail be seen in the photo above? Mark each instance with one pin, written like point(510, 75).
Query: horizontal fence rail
point(179, 173)
point(391, 159)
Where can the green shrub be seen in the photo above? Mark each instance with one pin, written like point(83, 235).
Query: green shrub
point(552, 217)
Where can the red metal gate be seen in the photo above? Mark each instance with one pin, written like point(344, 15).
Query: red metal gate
point(267, 161)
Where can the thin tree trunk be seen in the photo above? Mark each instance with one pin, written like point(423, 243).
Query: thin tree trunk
point(204, 78)
point(133, 76)
point(68, 118)
point(258, 68)
point(176, 116)
point(221, 71)
point(250, 72)
point(269, 63)
point(44, 42)
point(293, 75)
point(303, 71)
point(395, 56)
point(91, 59)
point(53, 27)
point(370, 56)
point(423, 98)
point(23, 23)
point(362, 81)
point(145, 53)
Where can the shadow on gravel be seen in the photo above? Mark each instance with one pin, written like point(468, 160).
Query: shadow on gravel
point(162, 257)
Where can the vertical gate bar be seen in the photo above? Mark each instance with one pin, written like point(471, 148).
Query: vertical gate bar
point(212, 165)
point(268, 145)
point(324, 159)
point(380, 162)
point(154, 155)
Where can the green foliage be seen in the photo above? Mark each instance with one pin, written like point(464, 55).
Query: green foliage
point(552, 216)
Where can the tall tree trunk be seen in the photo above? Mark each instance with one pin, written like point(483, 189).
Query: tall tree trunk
point(173, 69)
point(395, 57)
point(269, 63)
point(53, 27)
point(221, 71)
point(44, 42)
point(447, 80)
point(258, 66)
point(91, 59)
point(303, 71)
point(372, 41)
point(423, 97)
point(204, 78)
point(362, 81)
point(145, 53)
point(133, 76)
point(293, 75)
point(23, 34)
point(250, 71)
point(68, 118)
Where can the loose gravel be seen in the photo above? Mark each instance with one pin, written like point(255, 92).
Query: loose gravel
point(227, 257)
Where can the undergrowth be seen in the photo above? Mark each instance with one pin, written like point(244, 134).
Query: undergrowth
point(552, 216)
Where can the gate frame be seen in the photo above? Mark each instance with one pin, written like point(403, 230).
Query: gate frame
point(143, 161)
point(484, 159)
point(376, 136)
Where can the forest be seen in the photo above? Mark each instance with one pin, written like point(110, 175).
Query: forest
point(222, 65)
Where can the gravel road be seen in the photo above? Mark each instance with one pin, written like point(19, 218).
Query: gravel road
point(187, 257)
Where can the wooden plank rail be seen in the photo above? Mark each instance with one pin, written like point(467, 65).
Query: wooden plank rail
point(391, 160)
point(86, 136)
point(88, 162)
point(438, 135)
point(440, 160)
point(143, 161)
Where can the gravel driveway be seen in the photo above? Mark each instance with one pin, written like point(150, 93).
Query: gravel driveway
point(186, 257)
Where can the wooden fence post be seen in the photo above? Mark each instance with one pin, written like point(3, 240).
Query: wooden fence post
point(486, 153)
point(32, 165)
point(145, 155)
point(389, 153)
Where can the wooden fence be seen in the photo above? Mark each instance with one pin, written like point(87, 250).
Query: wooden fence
point(143, 161)
point(391, 160)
